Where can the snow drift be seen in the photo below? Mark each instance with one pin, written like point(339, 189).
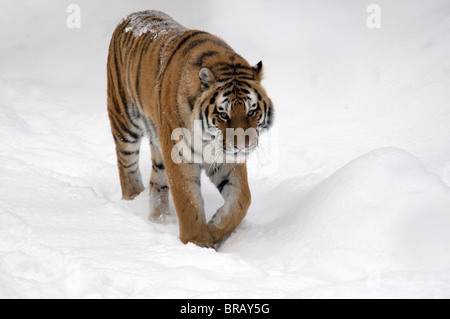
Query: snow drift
point(382, 210)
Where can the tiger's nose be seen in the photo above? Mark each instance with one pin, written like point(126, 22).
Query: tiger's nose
point(241, 146)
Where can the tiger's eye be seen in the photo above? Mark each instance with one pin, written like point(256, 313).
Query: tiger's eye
point(223, 116)
point(251, 114)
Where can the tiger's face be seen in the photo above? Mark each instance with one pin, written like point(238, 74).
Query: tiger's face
point(235, 112)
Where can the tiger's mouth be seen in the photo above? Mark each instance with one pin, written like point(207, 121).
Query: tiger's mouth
point(240, 142)
point(237, 151)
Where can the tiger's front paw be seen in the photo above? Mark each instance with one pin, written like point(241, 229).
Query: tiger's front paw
point(216, 233)
point(204, 240)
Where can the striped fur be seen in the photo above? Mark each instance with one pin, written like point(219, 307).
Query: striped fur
point(162, 76)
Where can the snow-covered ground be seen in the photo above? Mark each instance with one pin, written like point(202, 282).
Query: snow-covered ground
point(351, 193)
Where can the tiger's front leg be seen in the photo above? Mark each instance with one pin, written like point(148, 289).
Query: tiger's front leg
point(184, 184)
point(188, 201)
point(231, 180)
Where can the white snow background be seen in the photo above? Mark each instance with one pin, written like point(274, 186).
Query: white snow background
point(351, 192)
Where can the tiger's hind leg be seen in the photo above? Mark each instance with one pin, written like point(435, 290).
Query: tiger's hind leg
point(127, 137)
point(159, 189)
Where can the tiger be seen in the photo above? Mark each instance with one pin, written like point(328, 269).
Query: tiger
point(161, 77)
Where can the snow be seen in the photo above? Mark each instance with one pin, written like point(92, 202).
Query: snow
point(350, 189)
point(139, 28)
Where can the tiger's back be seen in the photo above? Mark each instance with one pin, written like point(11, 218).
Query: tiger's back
point(138, 50)
point(161, 77)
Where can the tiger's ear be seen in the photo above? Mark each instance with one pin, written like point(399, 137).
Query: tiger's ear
point(207, 78)
point(258, 71)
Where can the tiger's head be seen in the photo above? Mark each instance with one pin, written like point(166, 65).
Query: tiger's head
point(235, 108)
